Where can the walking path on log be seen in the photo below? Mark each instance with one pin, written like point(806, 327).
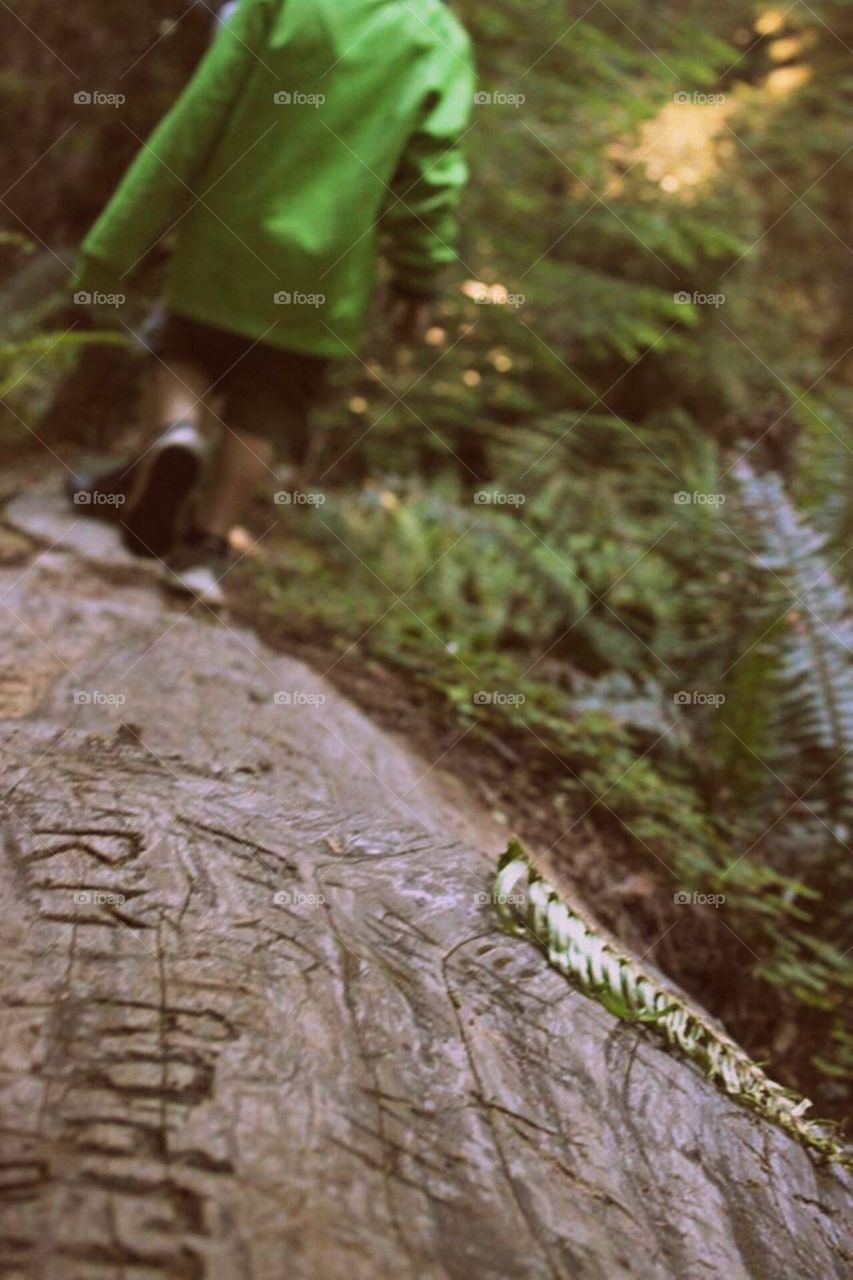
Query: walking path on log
point(259, 1017)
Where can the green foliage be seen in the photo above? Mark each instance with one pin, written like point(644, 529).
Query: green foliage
point(36, 348)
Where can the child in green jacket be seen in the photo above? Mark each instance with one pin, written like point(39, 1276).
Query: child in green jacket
point(314, 134)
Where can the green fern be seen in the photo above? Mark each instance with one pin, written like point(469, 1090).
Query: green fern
point(815, 704)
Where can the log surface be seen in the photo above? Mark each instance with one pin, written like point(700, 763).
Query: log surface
point(258, 1020)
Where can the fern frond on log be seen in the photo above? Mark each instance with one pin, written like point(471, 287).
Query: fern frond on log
point(529, 906)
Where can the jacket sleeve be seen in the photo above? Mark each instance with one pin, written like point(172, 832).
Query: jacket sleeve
point(421, 219)
point(161, 183)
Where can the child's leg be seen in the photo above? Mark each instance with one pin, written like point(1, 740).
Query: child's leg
point(176, 393)
point(162, 478)
point(242, 464)
point(146, 492)
point(268, 395)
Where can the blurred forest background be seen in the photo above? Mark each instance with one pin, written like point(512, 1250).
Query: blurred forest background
point(613, 494)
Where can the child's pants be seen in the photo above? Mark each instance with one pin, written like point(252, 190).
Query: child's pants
point(266, 391)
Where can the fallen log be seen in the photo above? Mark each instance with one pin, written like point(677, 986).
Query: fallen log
point(259, 1017)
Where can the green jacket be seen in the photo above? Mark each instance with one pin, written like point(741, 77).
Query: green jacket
point(313, 134)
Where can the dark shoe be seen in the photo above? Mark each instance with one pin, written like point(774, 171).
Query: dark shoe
point(164, 479)
point(148, 495)
point(199, 565)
